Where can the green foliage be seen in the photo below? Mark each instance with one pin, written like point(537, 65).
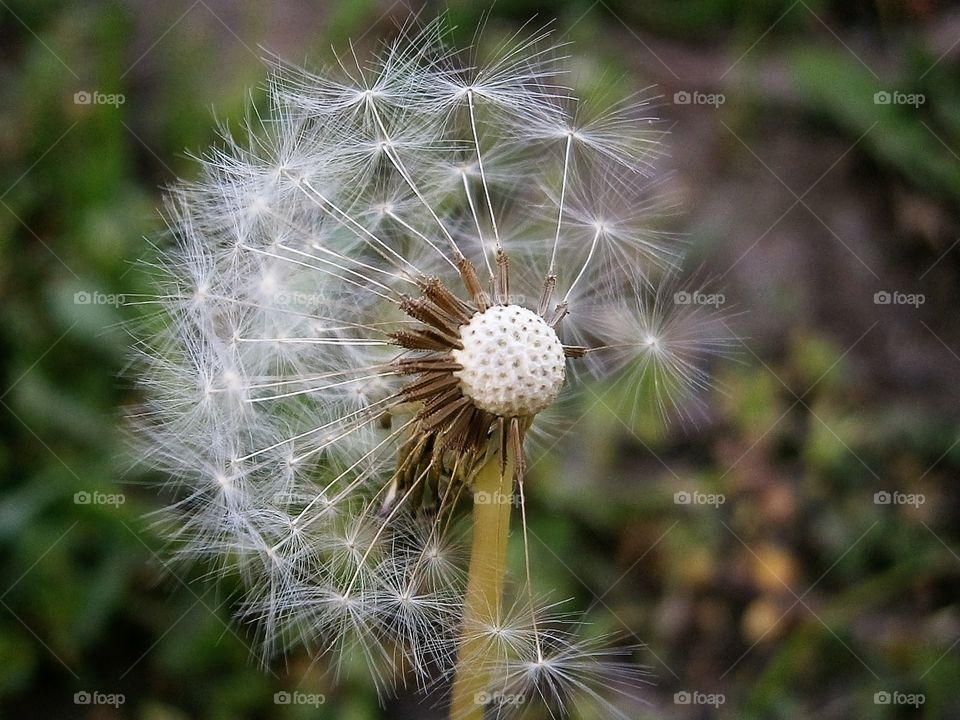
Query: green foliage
point(80, 603)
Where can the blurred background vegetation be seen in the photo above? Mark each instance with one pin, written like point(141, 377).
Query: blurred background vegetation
point(803, 195)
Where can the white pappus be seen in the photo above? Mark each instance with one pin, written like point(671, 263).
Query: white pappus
point(404, 261)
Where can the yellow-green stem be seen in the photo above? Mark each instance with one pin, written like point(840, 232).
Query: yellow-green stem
point(492, 501)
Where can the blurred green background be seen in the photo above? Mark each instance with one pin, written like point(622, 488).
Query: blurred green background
point(804, 194)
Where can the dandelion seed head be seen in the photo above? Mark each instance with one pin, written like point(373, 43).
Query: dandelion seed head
point(512, 362)
point(392, 273)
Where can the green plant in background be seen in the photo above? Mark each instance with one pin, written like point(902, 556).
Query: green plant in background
point(78, 184)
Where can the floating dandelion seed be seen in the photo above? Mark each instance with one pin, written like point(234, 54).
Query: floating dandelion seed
point(368, 304)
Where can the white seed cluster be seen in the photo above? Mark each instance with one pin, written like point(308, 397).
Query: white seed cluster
point(513, 362)
point(280, 336)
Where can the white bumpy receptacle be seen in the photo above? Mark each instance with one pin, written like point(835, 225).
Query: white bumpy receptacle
point(513, 362)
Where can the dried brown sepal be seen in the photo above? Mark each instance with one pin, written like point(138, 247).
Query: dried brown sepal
point(480, 428)
point(444, 412)
point(515, 440)
point(468, 273)
point(574, 351)
point(457, 309)
point(503, 276)
point(439, 401)
point(549, 285)
point(428, 313)
point(502, 440)
point(558, 314)
point(455, 436)
point(428, 385)
point(436, 363)
point(426, 339)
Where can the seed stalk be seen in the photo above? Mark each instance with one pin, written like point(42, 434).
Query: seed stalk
point(492, 502)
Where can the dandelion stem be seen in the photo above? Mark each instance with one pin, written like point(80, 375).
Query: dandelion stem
point(492, 502)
